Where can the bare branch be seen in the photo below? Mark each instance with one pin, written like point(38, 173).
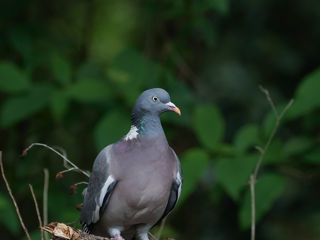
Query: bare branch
point(253, 207)
point(266, 92)
point(45, 199)
point(273, 133)
point(12, 198)
point(68, 170)
point(259, 149)
point(61, 155)
point(254, 175)
point(74, 187)
point(286, 108)
point(37, 210)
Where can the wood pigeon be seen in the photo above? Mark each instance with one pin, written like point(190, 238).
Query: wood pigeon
point(136, 181)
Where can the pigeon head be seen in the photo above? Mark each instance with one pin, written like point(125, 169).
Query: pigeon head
point(154, 102)
point(149, 105)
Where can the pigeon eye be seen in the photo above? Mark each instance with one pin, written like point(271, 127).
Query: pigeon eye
point(154, 98)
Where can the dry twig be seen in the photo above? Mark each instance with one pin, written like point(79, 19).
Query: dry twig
point(253, 176)
point(60, 231)
point(158, 234)
point(37, 210)
point(13, 199)
point(76, 168)
point(45, 199)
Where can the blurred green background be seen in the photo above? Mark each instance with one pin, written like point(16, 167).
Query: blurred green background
point(70, 72)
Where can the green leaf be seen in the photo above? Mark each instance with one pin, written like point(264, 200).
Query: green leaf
point(226, 150)
point(23, 41)
point(275, 152)
point(194, 163)
point(209, 125)
point(269, 124)
point(221, 6)
point(113, 28)
point(61, 69)
point(89, 91)
point(297, 145)
point(267, 190)
point(111, 128)
point(12, 79)
point(307, 95)
point(59, 103)
point(312, 157)
point(91, 69)
point(19, 108)
point(8, 216)
point(34, 235)
point(130, 72)
point(246, 137)
point(234, 173)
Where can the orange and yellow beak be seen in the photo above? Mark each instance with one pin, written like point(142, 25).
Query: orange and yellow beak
point(173, 108)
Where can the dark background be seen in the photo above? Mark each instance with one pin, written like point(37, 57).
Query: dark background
point(70, 72)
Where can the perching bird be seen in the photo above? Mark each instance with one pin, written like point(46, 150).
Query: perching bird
point(136, 181)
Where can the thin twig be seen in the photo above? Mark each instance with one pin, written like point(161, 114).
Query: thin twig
point(151, 236)
point(266, 92)
point(158, 234)
point(79, 183)
point(254, 175)
point(253, 207)
point(286, 108)
point(68, 170)
point(61, 155)
point(13, 199)
point(273, 133)
point(37, 209)
point(45, 200)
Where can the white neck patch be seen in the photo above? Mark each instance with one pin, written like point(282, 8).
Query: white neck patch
point(132, 134)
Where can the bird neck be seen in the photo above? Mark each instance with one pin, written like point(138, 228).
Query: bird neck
point(148, 125)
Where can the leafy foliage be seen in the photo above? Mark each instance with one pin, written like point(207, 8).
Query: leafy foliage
point(106, 132)
point(209, 125)
point(89, 91)
point(8, 214)
point(19, 108)
point(268, 189)
point(194, 163)
point(12, 78)
point(70, 72)
point(233, 174)
point(307, 95)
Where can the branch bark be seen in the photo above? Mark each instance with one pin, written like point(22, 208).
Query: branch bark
point(60, 231)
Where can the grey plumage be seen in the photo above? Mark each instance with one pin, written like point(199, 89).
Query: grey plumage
point(100, 174)
point(136, 181)
point(175, 190)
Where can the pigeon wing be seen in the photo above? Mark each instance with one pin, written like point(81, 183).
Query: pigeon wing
point(100, 187)
point(175, 190)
